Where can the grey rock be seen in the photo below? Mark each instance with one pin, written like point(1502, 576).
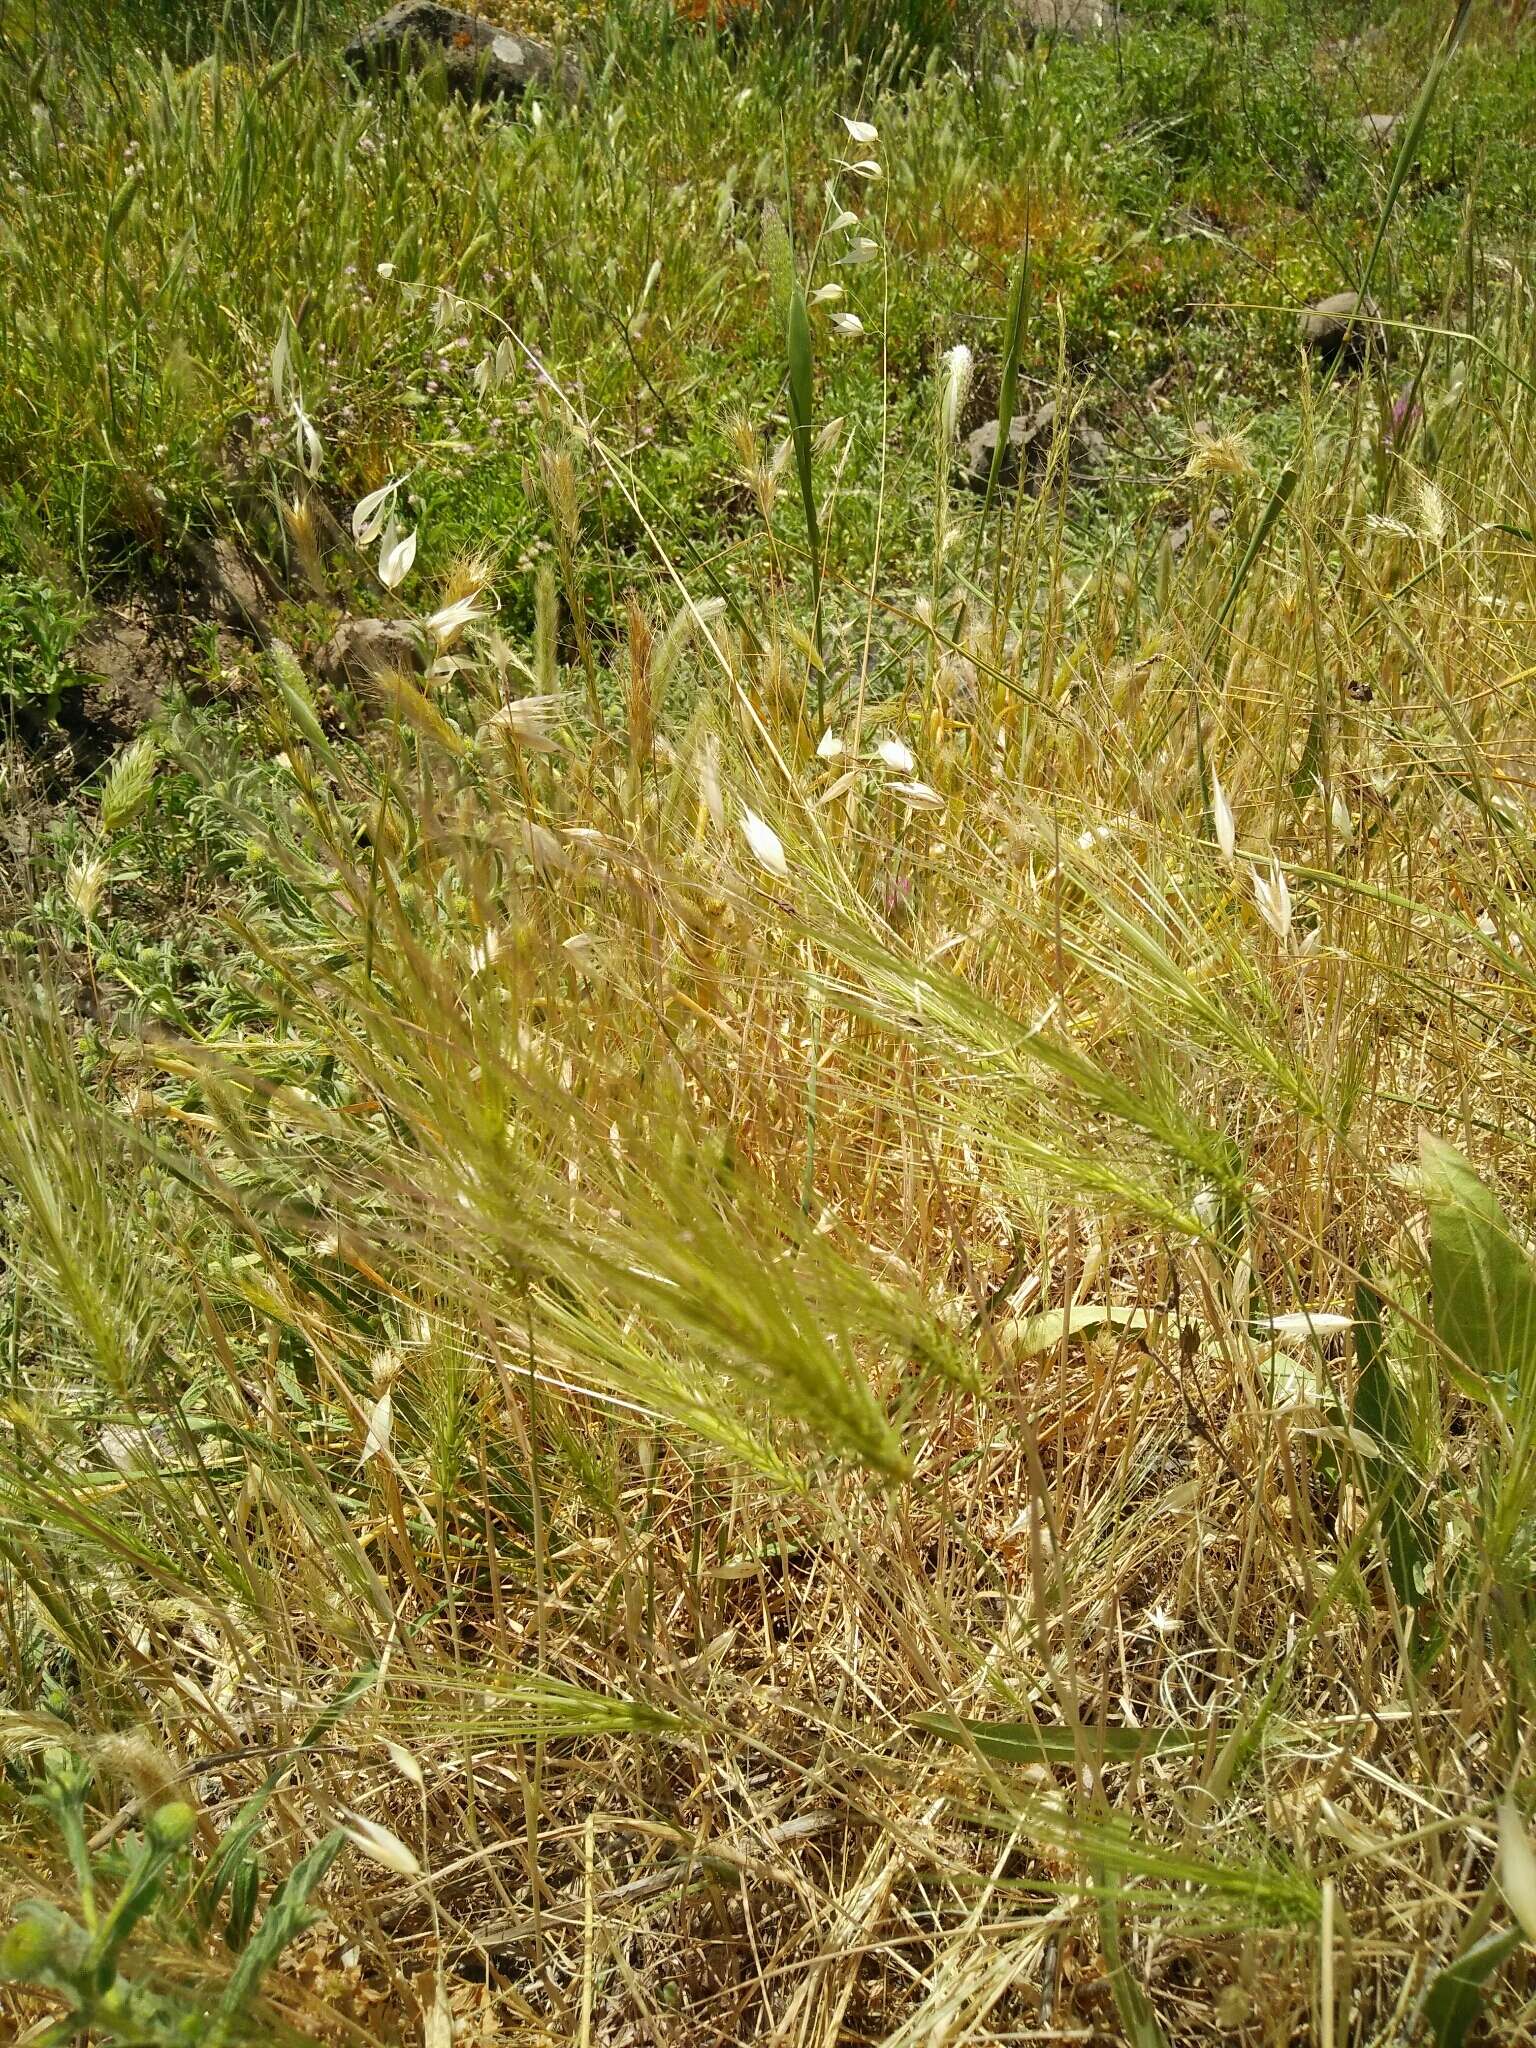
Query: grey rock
point(131, 665)
point(1031, 436)
point(1344, 321)
point(1379, 128)
point(361, 649)
point(136, 1451)
point(980, 446)
point(239, 588)
point(1075, 18)
point(481, 60)
point(1208, 529)
point(234, 592)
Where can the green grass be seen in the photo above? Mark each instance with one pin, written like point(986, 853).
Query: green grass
point(158, 255)
point(798, 1302)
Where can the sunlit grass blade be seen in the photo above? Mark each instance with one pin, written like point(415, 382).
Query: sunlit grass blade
point(801, 427)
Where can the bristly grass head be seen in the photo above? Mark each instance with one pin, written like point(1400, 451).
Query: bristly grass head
point(830, 1344)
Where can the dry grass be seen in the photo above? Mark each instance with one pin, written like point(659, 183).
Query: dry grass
point(691, 1319)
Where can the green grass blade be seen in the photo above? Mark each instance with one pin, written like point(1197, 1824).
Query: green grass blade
point(1020, 300)
point(1380, 1411)
point(1281, 495)
point(1483, 1280)
point(1024, 1742)
point(798, 346)
point(1455, 1998)
point(1131, 2001)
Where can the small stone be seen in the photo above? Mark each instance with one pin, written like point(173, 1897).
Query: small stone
point(1075, 18)
point(980, 446)
point(130, 665)
point(1208, 529)
point(361, 649)
point(231, 588)
point(135, 1450)
point(1380, 128)
point(1343, 322)
point(480, 60)
point(239, 586)
point(1030, 438)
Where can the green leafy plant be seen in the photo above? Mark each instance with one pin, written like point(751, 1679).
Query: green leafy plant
point(798, 350)
point(840, 1326)
point(900, 37)
point(40, 626)
point(83, 1958)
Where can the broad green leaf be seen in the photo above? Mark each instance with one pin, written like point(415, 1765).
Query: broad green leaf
point(287, 1916)
point(1020, 1742)
point(1484, 1302)
point(1008, 388)
point(798, 348)
point(296, 697)
point(1032, 1335)
point(237, 1845)
point(1455, 1998)
point(1135, 2007)
point(244, 1890)
point(1381, 1413)
point(1378, 1407)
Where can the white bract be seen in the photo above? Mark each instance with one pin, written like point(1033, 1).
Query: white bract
point(485, 953)
point(1222, 820)
point(369, 514)
point(379, 1424)
point(396, 556)
point(282, 350)
point(530, 721)
point(380, 1845)
point(957, 368)
point(454, 617)
point(405, 1764)
point(1273, 899)
point(311, 450)
point(437, 2031)
point(766, 845)
point(1307, 1322)
point(1517, 1868)
point(709, 782)
point(917, 796)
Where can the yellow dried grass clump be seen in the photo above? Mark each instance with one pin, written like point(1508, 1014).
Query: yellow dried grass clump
point(839, 1338)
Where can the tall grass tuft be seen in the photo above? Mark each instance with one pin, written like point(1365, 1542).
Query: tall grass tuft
point(866, 1384)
